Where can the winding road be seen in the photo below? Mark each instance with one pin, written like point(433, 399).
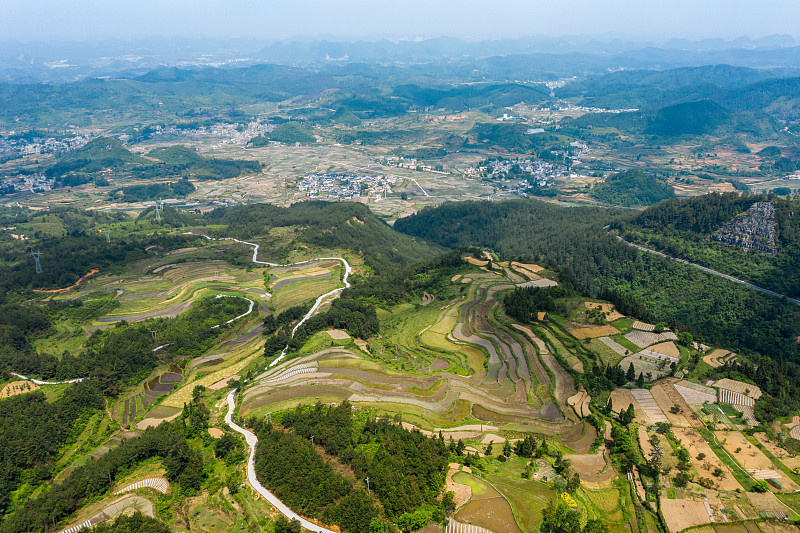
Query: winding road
point(250, 437)
point(252, 440)
point(710, 271)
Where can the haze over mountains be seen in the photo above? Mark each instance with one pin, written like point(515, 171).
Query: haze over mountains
point(547, 58)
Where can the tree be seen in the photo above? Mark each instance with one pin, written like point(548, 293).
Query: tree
point(631, 373)
point(282, 525)
point(558, 518)
point(595, 526)
point(507, 448)
point(640, 380)
point(489, 447)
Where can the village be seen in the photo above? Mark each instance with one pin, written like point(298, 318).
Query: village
point(346, 186)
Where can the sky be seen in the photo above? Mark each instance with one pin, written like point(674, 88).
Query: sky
point(91, 20)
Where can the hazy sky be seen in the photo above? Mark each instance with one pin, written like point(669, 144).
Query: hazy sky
point(474, 19)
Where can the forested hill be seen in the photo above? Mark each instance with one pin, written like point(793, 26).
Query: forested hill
point(644, 285)
point(690, 229)
point(330, 225)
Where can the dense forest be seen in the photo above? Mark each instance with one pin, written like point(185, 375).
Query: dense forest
point(632, 188)
point(33, 430)
point(683, 228)
point(183, 463)
point(406, 469)
point(644, 285)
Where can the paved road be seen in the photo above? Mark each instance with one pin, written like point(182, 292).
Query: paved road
point(710, 271)
point(252, 440)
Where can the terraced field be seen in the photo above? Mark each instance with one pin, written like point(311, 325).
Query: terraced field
point(441, 366)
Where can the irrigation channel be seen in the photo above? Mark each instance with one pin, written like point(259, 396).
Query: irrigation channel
point(711, 271)
point(250, 437)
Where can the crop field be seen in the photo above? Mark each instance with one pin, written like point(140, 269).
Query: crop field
point(681, 514)
point(747, 455)
point(695, 444)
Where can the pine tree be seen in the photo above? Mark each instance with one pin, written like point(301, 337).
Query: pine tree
point(631, 374)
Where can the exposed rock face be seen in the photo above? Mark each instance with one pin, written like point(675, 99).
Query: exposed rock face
point(755, 228)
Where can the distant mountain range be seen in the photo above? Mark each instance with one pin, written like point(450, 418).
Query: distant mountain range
point(539, 58)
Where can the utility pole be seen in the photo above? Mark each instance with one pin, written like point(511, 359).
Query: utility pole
point(153, 333)
point(367, 480)
point(312, 440)
point(108, 237)
point(36, 256)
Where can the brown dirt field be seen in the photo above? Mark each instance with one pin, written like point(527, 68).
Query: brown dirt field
point(216, 432)
point(750, 457)
point(644, 441)
point(666, 348)
point(591, 332)
point(462, 492)
point(665, 402)
point(338, 335)
point(765, 501)
point(584, 444)
point(528, 266)
point(493, 514)
point(588, 464)
point(18, 387)
point(622, 398)
point(713, 359)
point(476, 262)
point(154, 422)
point(695, 444)
point(731, 528)
point(777, 527)
point(792, 461)
point(680, 514)
point(611, 313)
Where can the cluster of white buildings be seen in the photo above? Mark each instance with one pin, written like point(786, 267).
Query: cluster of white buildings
point(346, 186)
point(596, 109)
point(230, 133)
point(410, 164)
point(22, 182)
point(41, 145)
point(535, 172)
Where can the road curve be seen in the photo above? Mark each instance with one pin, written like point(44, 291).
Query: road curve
point(252, 440)
point(710, 271)
point(347, 270)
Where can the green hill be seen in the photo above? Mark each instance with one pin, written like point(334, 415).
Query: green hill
point(632, 188)
point(690, 118)
point(329, 225)
point(176, 155)
point(686, 228)
point(346, 117)
point(289, 132)
point(644, 285)
point(98, 154)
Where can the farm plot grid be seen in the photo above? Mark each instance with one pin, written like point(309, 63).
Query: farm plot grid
point(695, 395)
point(649, 405)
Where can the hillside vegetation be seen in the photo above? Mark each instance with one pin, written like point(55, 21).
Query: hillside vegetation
point(330, 225)
point(632, 188)
point(641, 284)
point(685, 228)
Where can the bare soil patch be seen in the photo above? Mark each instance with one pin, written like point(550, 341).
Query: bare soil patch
point(590, 332)
point(216, 433)
point(695, 445)
point(338, 334)
point(608, 309)
point(681, 514)
point(750, 457)
point(666, 348)
point(622, 398)
point(18, 387)
point(792, 461)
